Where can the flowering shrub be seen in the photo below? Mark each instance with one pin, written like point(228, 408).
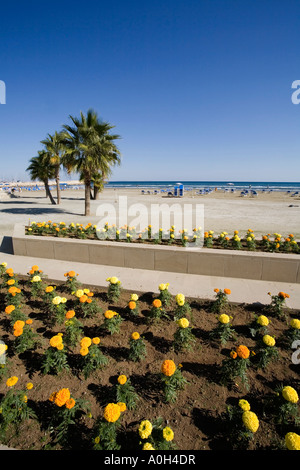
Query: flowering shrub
point(112, 321)
point(236, 366)
point(106, 428)
point(114, 289)
point(221, 300)
point(137, 348)
point(182, 308)
point(164, 294)
point(183, 337)
point(125, 392)
point(266, 351)
point(223, 332)
point(173, 380)
point(14, 406)
point(155, 436)
point(92, 356)
point(278, 303)
point(55, 356)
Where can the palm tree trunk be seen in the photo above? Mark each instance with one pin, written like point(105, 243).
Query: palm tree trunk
point(87, 198)
point(48, 192)
point(96, 192)
point(57, 184)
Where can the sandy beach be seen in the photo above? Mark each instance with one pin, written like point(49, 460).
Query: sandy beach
point(275, 212)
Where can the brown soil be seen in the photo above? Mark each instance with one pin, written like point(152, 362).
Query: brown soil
point(198, 418)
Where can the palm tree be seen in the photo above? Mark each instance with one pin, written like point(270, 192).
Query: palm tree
point(53, 145)
point(41, 169)
point(89, 150)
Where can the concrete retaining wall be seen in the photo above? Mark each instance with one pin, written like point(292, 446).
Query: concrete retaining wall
point(203, 261)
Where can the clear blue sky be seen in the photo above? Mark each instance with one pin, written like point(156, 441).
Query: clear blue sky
point(198, 89)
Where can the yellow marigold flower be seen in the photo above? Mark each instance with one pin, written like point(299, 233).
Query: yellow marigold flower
point(250, 420)
point(10, 282)
point(113, 280)
point(262, 320)
point(168, 367)
point(109, 314)
point(244, 404)
point(180, 299)
point(122, 406)
point(96, 340)
point(162, 287)
point(62, 396)
point(29, 386)
point(79, 293)
point(148, 446)
point(97, 440)
point(269, 340)
point(85, 342)
point(135, 335)
point(12, 381)
point(4, 264)
point(36, 279)
point(112, 412)
point(295, 323)
point(145, 429)
point(60, 347)
point(3, 348)
point(134, 297)
point(84, 351)
point(290, 394)
point(55, 341)
point(122, 379)
point(70, 403)
point(56, 300)
point(183, 322)
point(292, 441)
point(168, 434)
point(223, 318)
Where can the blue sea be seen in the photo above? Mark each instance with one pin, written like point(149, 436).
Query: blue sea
point(208, 185)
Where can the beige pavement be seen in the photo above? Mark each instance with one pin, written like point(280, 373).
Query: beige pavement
point(137, 280)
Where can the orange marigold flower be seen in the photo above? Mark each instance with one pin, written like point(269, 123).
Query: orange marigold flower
point(216, 290)
point(71, 274)
point(233, 354)
point(62, 396)
point(227, 291)
point(132, 305)
point(49, 289)
point(19, 324)
point(29, 321)
point(242, 351)
point(35, 268)
point(70, 403)
point(70, 314)
point(135, 335)
point(83, 298)
point(9, 271)
point(9, 309)
point(168, 367)
point(18, 332)
point(96, 340)
point(156, 303)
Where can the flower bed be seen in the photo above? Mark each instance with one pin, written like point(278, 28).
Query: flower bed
point(275, 243)
point(111, 369)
